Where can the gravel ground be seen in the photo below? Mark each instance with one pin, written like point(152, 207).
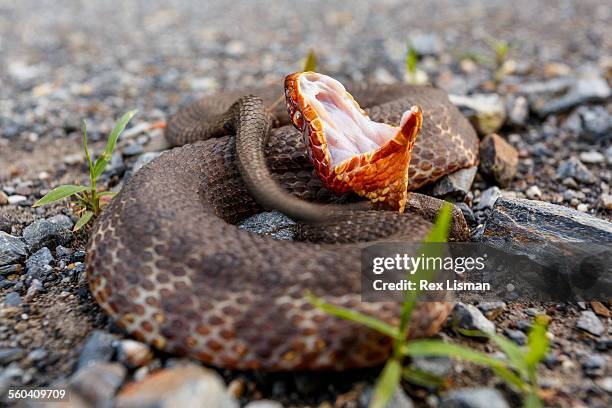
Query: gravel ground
point(63, 61)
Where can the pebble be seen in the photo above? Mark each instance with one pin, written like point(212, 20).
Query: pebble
point(575, 169)
point(95, 385)
point(468, 214)
point(498, 160)
point(439, 366)
point(468, 317)
point(478, 397)
point(186, 385)
point(116, 166)
point(600, 309)
point(592, 123)
point(582, 207)
point(583, 90)
point(133, 149)
point(518, 111)
point(455, 185)
point(605, 384)
point(47, 232)
point(524, 325)
point(533, 192)
point(426, 44)
point(492, 310)
point(273, 223)
point(12, 249)
point(516, 336)
point(16, 199)
point(8, 355)
point(38, 264)
point(488, 198)
point(589, 322)
point(98, 348)
point(591, 157)
point(134, 353)
point(486, 111)
point(12, 299)
point(605, 201)
point(593, 364)
point(3, 198)
point(264, 404)
point(398, 400)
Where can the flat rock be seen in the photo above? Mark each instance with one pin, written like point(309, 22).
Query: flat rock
point(95, 385)
point(487, 112)
point(48, 232)
point(468, 317)
point(480, 397)
point(38, 264)
point(455, 185)
point(498, 160)
point(582, 91)
point(98, 348)
point(8, 355)
point(575, 169)
point(12, 249)
point(589, 322)
point(492, 310)
point(182, 386)
point(488, 198)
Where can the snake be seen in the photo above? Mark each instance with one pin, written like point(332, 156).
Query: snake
point(168, 261)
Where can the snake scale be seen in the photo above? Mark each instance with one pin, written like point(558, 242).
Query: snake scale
point(167, 262)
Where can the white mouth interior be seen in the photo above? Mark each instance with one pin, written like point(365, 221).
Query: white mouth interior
point(348, 132)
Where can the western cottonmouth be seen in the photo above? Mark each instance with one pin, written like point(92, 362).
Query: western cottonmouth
point(168, 263)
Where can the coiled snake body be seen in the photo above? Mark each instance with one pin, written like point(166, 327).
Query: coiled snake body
point(166, 261)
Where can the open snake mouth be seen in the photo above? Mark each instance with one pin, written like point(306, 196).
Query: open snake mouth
point(351, 152)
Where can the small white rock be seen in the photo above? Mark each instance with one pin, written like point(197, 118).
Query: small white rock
point(533, 192)
point(16, 199)
point(582, 207)
point(591, 157)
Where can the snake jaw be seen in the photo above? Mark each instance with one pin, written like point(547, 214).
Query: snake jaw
point(349, 151)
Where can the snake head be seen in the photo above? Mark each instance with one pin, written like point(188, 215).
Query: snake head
point(349, 151)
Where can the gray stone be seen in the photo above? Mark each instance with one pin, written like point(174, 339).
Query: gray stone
point(533, 192)
point(438, 366)
point(12, 249)
point(575, 169)
point(273, 223)
point(518, 111)
point(95, 385)
point(468, 317)
point(590, 323)
point(426, 44)
point(398, 400)
point(11, 269)
point(37, 355)
point(38, 264)
point(48, 232)
point(486, 111)
point(591, 157)
point(480, 397)
point(488, 198)
point(133, 149)
point(468, 214)
point(116, 166)
point(456, 185)
point(609, 155)
point(8, 355)
point(594, 364)
point(98, 348)
point(516, 336)
point(12, 299)
point(498, 160)
point(16, 199)
point(183, 386)
point(583, 90)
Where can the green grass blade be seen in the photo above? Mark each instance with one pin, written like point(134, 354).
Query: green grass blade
point(310, 63)
point(387, 384)
point(537, 342)
point(515, 354)
point(59, 193)
point(89, 163)
point(119, 127)
point(83, 220)
point(100, 165)
point(532, 401)
point(348, 314)
point(422, 378)
point(411, 60)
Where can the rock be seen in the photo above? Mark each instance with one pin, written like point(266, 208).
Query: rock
point(518, 111)
point(63, 253)
point(37, 355)
point(398, 400)
point(48, 232)
point(8, 355)
point(593, 365)
point(575, 169)
point(516, 336)
point(98, 348)
point(439, 366)
point(591, 157)
point(96, 385)
point(455, 185)
point(12, 299)
point(600, 309)
point(492, 310)
point(38, 264)
point(134, 353)
point(582, 208)
point(605, 201)
point(468, 317)
point(3, 198)
point(609, 155)
point(590, 323)
point(533, 192)
point(12, 249)
point(467, 213)
point(33, 289)
point(16, 199)
point(605, 384)
point(144, 159)
point(488, 198)
point(264, 404)
point(582, 91)
point(11, 269)
point(116, 166)
point(590, 122)
point(133, 149)
point(524, 325)
point(187, 385)
point(486, 111)
point(426, 44)
point(517, 222)
point(479, 397)
point(498, 160)
point(273, 223)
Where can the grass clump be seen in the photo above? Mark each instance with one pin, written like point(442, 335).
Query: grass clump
point(86, 200)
